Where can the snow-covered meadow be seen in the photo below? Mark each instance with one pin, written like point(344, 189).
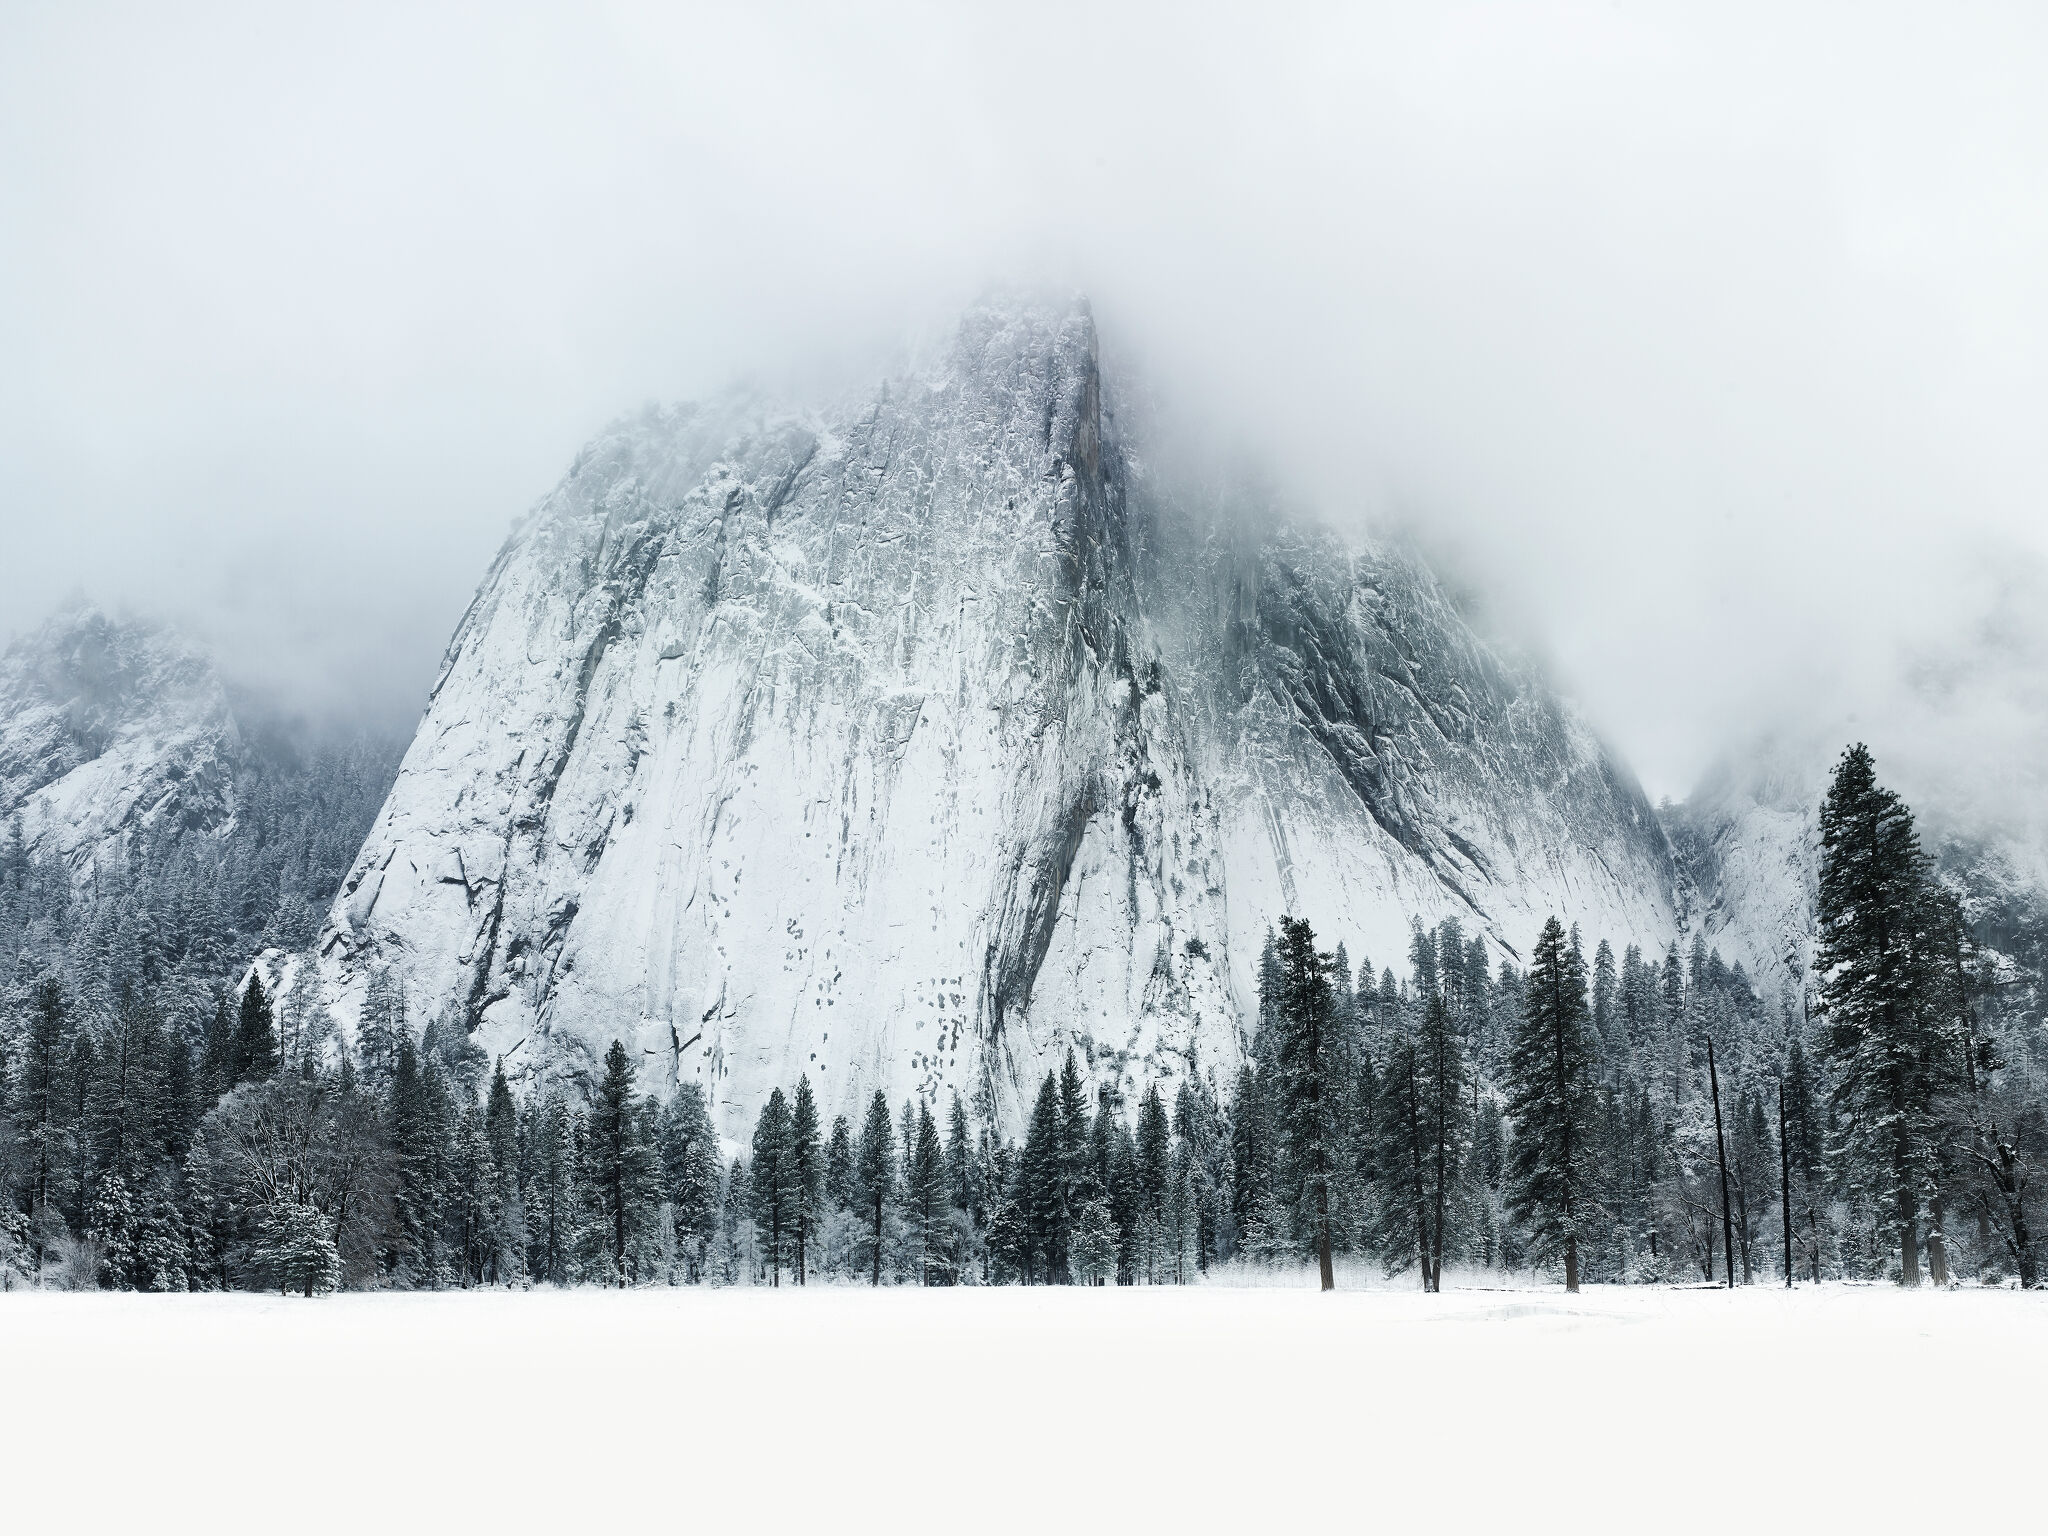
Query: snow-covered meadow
point(1212, 1407)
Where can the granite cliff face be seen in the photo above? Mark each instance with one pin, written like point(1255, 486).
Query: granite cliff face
point(111, 728)
point(907, 745)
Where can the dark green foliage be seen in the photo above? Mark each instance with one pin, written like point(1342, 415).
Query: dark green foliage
point(1893, 1049)
point(1440, 1090)
point(1154, 1170)
point(1550, 1168)
point(416, 1158)
point(875, 1181)
point(963, 1185)
point(619, 1154)
point(1311, 1075)
point(1040, 1193)
point(926, 1206)
point(254, 1057)
point(690, 1174)
point(501, 1127)
point(548, 1156)
point(773, 1173)
point(38, 1092)
point(159, 1129)
point(297, 1250)
point(807, 1176)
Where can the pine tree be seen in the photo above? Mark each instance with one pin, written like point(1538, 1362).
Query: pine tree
point(839, 1166)
point(1803, 1131)
point(1891, 1054)
point(39, 1095)
point(1677, 1045)
point(416, 1202)
point(1077, 1162)
point(1606, 995)
point(876, 1178)
point(1041, 1187)
point(1126, 1194)
point(1251, 1186)
point(1310, 1076)
point(690, 1171)
point(255, 1050)
point(217, 1053)
point(620, 1160)
point(297, 1250)
point(1753, 1174)
point(1400, 1215)
point(1440, 1089)
point(736, 1224)
point(473, 1197)
point(1550, 1100)
point(1095, 1243)
point(121, 1100)
point(962, 1183)
point(501, 1126)
point(380, 1024)
point(1422, 960)
point(1197, 1121)
point(807, 1173)
point(926, 1198)
point(774, 1177)
point(1155, 1173)
point(550, 1156)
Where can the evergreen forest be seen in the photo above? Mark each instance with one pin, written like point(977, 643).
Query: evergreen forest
point(1423, 1118)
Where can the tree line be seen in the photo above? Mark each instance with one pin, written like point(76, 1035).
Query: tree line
point(1587, 1117)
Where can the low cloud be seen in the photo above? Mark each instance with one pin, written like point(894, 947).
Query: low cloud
point(1710, 348)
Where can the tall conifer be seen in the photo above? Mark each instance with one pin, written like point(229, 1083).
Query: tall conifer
point(1550, 1166)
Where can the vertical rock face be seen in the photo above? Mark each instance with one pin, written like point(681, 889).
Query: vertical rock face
point(908, 746)
point(109, 728)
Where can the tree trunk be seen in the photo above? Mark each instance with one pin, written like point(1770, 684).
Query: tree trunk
point(1909, 1241)
point(619, 1212)
point(1721, 1148)
point(1436, 1247)
point(1323, 1258)
point(1785, 1185)
point(1571, 1263)
point(2022, 1247)
point(1937, 1246)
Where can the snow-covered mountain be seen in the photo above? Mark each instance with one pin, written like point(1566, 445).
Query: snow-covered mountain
point(909, 743)
point(109, 727)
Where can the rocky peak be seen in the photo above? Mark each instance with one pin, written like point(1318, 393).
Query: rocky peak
point(911, 744)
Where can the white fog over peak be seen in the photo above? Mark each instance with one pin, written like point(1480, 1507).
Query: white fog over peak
point(1704, 338)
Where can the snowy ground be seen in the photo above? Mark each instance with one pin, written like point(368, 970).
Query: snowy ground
point(837, 1408)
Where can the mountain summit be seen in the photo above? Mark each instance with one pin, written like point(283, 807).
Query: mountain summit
point(910, 745)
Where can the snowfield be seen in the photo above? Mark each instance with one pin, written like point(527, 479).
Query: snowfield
point(839, 1408)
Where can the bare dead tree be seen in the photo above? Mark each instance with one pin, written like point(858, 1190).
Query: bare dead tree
point(1721, 1148)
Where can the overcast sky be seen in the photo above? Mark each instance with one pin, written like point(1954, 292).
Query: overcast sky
point(1713, 347)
